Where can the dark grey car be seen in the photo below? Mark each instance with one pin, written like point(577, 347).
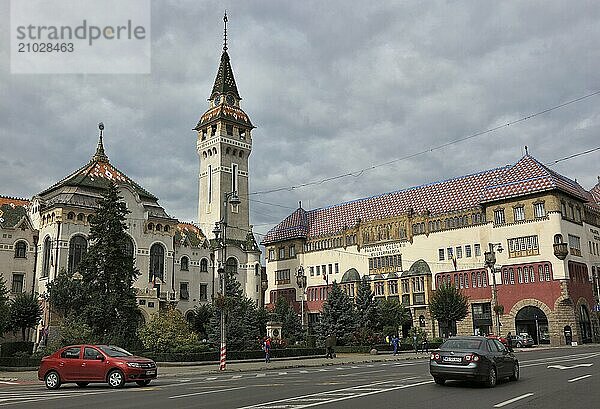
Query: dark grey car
point(473, 358)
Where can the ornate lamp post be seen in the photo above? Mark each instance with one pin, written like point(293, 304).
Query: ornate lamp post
point(220, 232)
point(490, 262)
point(301, 281)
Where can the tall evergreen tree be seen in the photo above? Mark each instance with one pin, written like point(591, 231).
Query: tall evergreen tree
point(338, 317)
point(393, 315)
point(4, 308)
point(200, 319)
point(108, 304)
point(448, 305)
point(25, 312)
point(367, 308)
point(291, 327)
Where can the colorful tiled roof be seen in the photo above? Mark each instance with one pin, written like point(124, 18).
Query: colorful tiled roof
point(226, 112)
point(527, 176)
point(224, 82)
point(98, 174)
point(12, 211)
point(190, 232)
point(595, 192)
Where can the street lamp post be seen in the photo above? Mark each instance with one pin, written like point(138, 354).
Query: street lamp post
point(490, 262)
point(301, 281)
point(220, 231)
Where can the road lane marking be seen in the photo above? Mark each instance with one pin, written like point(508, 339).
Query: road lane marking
point(261, 375)
point(297, 402)
point(508, 402)
point(211, 378)
point(236, 376)
point(206, 392)
point(579, 378)
point(9, 383)
point(569, 358)
point(568, 367)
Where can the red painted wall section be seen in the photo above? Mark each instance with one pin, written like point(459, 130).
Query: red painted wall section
point(508, 293)
point(579, 285)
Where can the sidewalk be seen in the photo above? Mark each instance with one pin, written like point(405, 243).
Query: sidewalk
point(189, 369)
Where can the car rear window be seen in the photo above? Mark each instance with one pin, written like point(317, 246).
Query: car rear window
point(467, 344)
point(114, 351)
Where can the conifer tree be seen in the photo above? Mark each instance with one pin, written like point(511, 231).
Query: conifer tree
point(367, 311)
point(338, 317)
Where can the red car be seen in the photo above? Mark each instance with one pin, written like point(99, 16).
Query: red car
point(83, 364)
point(499, 338)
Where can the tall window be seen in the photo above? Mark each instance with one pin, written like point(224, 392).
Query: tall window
point(209, 187)
point(574, 245)
point(203, 265)
point(282, 276)
point(271, 254)
point(499, 216)
point(477, 249)
point(281, 253)
point(129, 248)
point(231, 266)
point(17, 283)
point(157, 262)
point(292, 251)
point(184, 293)
point(459, 252)
point(20, 249)
point(185, 263)
point(234, 177)
point(47, 257)
point(519, 213)
point(441, 254)
point(468, 250)
point(77, 248)
point(203, 292)
point(539, 210)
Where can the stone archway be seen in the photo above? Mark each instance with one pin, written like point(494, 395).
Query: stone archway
point(522, 318)
point(533, 321)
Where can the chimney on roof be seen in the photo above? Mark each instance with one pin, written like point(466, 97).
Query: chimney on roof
point(300, 201)
point(526, 151)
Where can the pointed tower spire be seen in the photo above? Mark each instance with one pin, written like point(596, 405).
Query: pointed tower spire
point(225, 32)
point(224, 82)
point(100, 156)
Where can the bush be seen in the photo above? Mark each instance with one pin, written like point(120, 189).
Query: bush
point(8, 349)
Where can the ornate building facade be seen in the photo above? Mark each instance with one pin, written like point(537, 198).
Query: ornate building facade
point(178, 261)
point(408, 242)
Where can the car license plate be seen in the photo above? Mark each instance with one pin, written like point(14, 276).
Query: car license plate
point(452, 359)
point(152, 372)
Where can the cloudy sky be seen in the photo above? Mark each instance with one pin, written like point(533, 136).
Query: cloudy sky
point(333, 87)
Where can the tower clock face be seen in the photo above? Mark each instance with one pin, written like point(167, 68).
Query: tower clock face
point(230, 100)
point(217, 100)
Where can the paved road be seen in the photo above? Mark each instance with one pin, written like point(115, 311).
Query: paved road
point(555, 378)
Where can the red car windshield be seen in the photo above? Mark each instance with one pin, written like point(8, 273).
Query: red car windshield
point(114, 352)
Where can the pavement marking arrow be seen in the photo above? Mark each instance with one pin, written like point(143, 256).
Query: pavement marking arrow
point(561, 367)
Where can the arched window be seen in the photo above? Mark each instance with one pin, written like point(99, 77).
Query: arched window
point(157, 261)
point(159, 227)
point(231, 265)
point(47, 256)
point(256, 270)
point(80, 217)
point(129, 247)
point(150, 226)
point(167, 228)
point(203, 265)
point(77, 248)
point(20, 249)
point(185, 263)
point(70, 216)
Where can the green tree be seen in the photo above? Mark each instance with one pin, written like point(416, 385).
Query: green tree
point(25, 312)
point(291, 327)
point(241, 318)
point(367, 308)
point(338, 317)
point(4, 308)
point(393, 315)
point(200, 319)
point(448, 305)
point(107, 304)
point(167, 331)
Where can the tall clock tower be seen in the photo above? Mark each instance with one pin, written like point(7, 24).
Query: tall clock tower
point(224, 145)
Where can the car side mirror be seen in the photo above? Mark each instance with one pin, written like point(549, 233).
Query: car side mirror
point(100, 357)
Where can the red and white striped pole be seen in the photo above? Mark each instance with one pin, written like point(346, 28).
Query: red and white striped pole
point(223, 361)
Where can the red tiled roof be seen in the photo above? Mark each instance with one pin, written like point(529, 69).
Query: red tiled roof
point(13, 201)
point(595, 192)
point(527, 176)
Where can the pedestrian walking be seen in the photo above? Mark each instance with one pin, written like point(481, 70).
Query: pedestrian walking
point(330, 342)
point(266, 346)
point(425, 344)
point(415, 345)
point(395, 343)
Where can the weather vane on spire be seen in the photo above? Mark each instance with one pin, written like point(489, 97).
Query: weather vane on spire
point(225, 33)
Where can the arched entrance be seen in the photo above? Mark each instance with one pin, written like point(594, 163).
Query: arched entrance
point(585, 325)
point(533, 321)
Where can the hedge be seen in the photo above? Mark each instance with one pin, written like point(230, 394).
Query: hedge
point(19, 362)
point(234, 355)
point(8, 349)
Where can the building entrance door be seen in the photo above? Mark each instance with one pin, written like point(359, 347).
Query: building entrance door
point(533, 321)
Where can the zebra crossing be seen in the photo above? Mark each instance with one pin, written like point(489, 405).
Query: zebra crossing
point(30, 396)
